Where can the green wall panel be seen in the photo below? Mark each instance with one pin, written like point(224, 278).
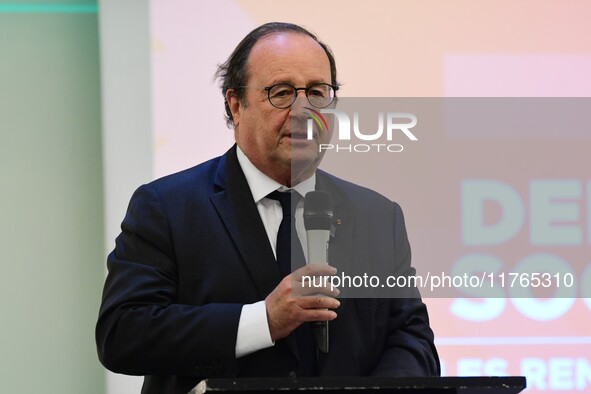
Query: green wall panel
point(51, 201)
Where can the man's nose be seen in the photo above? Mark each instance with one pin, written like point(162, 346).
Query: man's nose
point(299, 103)
point(298, 112)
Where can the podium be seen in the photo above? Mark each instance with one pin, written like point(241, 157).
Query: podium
point(332, 385)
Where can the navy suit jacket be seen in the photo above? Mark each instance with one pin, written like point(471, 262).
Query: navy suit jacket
point(193, 251)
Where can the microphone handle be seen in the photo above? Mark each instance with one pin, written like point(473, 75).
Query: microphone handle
point(318, 253)
point(321, 333)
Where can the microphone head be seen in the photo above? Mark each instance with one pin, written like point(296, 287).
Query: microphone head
point(318, 211)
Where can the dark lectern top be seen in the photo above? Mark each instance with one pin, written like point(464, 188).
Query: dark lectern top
point(431, 385)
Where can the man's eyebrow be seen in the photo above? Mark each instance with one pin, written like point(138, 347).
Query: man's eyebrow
point(320, 80)
point(290, 82)
point(279, 81)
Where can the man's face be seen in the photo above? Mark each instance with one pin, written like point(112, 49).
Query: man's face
point(275, 139)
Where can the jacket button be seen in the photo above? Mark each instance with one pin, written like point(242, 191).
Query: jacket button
point(292, 374)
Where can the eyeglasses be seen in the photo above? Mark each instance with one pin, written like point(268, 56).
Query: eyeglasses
point(283, 95)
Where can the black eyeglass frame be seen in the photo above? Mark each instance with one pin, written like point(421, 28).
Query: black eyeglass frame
point(306, 90)
point(296, 90)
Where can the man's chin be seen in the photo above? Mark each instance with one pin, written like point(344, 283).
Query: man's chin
point(304, 161)
point(304, 153)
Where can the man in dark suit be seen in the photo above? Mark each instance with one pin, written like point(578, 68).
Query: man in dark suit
point(194, 290)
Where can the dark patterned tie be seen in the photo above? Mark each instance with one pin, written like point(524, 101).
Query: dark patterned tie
point(290, 254)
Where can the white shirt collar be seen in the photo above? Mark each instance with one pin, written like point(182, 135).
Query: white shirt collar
point(261, 185)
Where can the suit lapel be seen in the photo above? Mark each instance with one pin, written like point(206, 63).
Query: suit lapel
point(236, 208)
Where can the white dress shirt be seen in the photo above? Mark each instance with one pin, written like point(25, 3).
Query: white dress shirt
point(253, 327)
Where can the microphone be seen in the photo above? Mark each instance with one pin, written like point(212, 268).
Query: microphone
point(318, 218)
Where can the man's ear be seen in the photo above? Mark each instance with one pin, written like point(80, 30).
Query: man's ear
point(234, 105)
